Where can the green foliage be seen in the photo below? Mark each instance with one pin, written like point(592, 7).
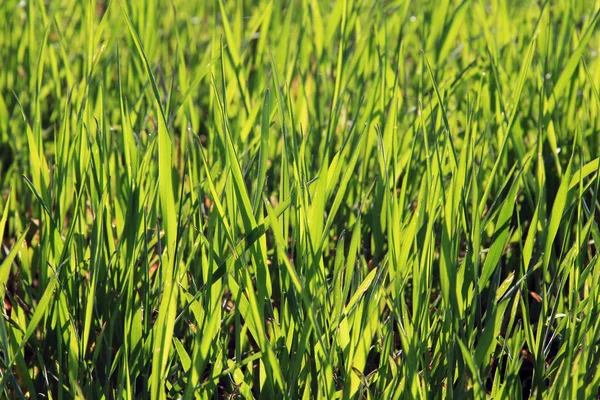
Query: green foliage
point(300, 199)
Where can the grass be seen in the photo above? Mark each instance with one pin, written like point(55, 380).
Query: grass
point(299, 199)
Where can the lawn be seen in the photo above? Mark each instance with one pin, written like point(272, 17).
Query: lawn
point(372, 199)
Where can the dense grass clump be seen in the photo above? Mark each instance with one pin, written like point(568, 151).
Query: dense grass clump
point(299, 199)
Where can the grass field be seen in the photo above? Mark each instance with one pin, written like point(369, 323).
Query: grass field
point(299, 199)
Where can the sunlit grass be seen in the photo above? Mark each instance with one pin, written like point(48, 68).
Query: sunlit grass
point(301, 199)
